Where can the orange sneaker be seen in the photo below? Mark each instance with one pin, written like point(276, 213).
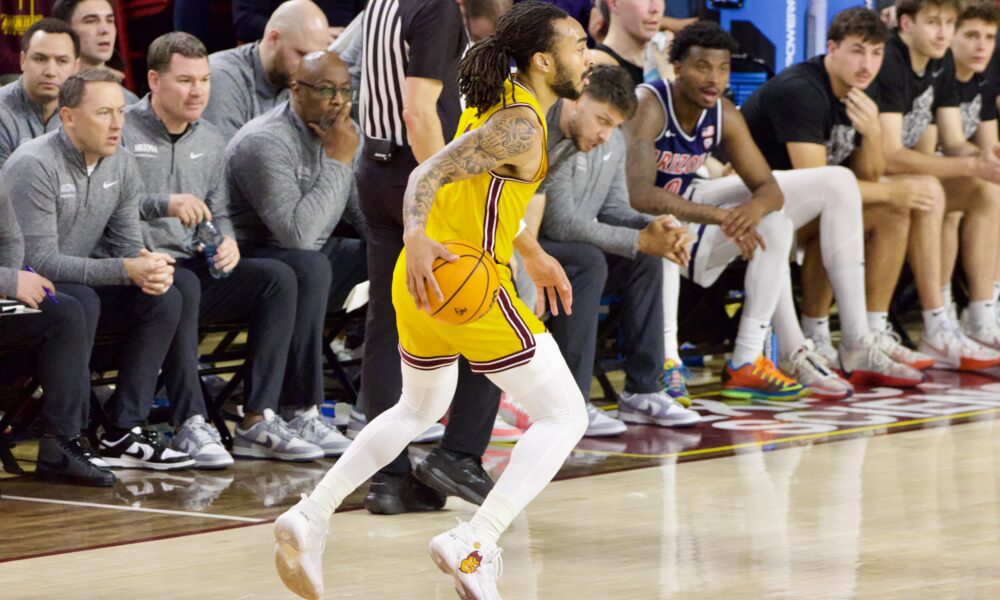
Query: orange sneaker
point(760, 379)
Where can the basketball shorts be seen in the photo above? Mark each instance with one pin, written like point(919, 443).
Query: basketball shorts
point(502, 339)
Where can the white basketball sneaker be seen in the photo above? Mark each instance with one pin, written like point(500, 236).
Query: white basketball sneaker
point(952, 349)
point(476, 566)
point(810, 369)
point(299, 540)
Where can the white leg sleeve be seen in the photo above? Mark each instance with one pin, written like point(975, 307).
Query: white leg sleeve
point(425, 398)
point(832, 195)
point(671, 296)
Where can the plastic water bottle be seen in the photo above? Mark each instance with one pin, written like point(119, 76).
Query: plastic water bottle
point(209, 237)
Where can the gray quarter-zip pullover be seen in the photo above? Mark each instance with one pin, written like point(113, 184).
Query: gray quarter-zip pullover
point(194, 164)
point(67, 216)
point(241, 90)
point(20, 119)
point(586, 200)
point(11, 249)
point(283, 190)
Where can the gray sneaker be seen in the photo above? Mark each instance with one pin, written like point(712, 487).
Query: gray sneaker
point(602, 424)
point(312, 428)
point(271, 438)
point(203, 443)
point(656, 408)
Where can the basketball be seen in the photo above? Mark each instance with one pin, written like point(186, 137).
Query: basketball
point(469, 285)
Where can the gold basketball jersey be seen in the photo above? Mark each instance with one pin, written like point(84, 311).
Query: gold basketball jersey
point(487, 208)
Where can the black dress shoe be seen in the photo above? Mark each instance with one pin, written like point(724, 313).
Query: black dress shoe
point(455, 474)
point(65, 459)
point(395, 494)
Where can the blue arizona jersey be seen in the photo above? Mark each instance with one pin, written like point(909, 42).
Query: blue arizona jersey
point(679, 155)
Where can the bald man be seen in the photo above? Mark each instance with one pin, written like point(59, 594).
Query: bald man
point(250, 80)
point(290, 177)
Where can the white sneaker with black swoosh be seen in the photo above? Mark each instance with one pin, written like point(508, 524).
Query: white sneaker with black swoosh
point(140, 449)
point(272, 438)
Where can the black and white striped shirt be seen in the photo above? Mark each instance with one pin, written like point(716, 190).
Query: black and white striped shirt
point(409, 38)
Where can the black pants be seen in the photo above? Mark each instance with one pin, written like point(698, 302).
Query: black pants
point(148, 324)
point(258, 291)
point(474, 408)
point(639, 282)
point(60, 334)
point(323, 279)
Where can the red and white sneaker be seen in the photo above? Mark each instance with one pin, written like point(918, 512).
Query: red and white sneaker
point(513, 413)
point(890, 343)
point(502, 432)
point(952, 349)
point(868, 365)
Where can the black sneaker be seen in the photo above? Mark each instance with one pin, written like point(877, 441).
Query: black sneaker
point(455, 474)
point(395, 494)
point(66, 460)
point(140, 449)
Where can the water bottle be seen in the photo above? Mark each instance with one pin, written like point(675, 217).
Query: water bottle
point(209, 237)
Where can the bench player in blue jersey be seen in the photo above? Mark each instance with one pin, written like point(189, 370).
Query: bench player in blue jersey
point(676, 127)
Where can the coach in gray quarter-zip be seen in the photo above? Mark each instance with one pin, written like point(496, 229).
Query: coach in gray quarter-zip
point(76, 196)
point(29, 106)
point(288, 189)
point(181, 159)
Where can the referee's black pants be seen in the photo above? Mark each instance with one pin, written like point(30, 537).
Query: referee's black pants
point(474, 408)
point(59, 335)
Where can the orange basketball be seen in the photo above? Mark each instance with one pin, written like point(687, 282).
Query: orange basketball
point(469, 285)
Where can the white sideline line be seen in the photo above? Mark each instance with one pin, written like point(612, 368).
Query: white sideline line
point(178, 513)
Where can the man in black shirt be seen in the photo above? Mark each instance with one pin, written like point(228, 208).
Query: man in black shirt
point(916, 87)
point(633, 24)
point(976, 131)
point(817, 113)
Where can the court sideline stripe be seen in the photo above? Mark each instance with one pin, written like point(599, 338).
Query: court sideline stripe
point(160, 511)
point(796, 438)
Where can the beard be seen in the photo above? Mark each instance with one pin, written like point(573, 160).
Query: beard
point(564, 86)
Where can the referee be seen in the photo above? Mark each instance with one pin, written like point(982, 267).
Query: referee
point(409, 106)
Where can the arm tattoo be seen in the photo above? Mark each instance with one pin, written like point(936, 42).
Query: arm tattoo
point(503, 137)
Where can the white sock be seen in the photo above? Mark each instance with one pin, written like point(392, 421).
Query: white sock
point(996, 291)
point(878, 321)
point(493, 517)
point(749, 341)
point(946, 297)
point(671, 296)
point(982, 315)
point(815, 327)
point(935, 320)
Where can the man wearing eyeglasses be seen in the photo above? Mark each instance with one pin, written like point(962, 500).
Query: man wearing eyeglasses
point(290, 177)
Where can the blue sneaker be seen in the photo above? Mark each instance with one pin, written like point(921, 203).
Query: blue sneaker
point(674, 382)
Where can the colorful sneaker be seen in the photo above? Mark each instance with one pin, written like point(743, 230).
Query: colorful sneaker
point(759, 379)
point(602, 424)
point(890, 343)
point(358, 420)
point(299, 541)
point(810, 369)
point(674, 382)
point(476, 566)
point(952, 349)
point(502, 432)
point(823, 347)
point(271, 438)
point(203, 443)
point(311, 427)
point(139, 449)
point(657, 408)
point(513, 413)
point(869, 366)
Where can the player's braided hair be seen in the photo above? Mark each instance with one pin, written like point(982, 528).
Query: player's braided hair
point(522, 31)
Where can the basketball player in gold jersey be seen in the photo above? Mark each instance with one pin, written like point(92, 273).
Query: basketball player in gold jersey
point(476, 189)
